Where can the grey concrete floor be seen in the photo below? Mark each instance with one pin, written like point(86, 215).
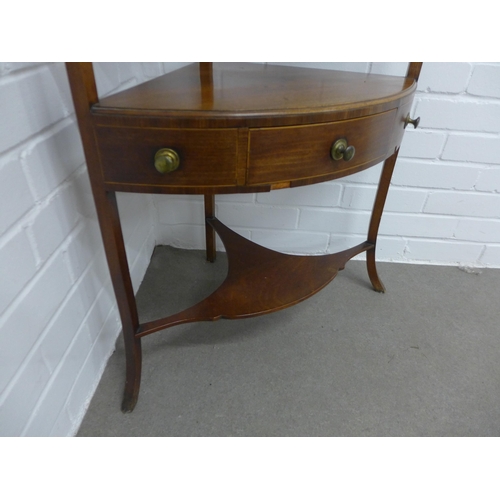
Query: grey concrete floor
point(419, 360)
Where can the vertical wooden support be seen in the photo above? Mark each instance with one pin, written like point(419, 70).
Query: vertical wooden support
point(209, 230)
point(207, 84)
point(378, 208)
point(207, 99)
point(84, 91)
point(380, 198)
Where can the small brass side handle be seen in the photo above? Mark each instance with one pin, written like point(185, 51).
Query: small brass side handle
point(341, 151)
point(414, 122)
point(166, 160)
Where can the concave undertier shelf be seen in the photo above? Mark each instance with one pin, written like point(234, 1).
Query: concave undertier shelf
point(259, 281)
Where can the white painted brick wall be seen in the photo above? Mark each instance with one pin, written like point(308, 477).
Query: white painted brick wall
point(58, 316)
point(444, 203)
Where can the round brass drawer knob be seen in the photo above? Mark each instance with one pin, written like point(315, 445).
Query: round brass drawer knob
point(414, 122)
point(341, 151)
point(166, 160)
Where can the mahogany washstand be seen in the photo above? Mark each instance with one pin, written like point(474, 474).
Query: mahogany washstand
point(236, 128)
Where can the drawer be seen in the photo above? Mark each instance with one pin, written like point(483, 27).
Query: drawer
point(207, 157)
point(283, 154)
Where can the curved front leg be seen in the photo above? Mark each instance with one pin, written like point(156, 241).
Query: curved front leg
point(120, 276)
point(378, 208)
point(371, 265)
point(133, 356)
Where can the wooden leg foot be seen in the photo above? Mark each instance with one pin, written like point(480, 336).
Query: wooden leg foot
point(129, 402)
point(133, 354)
point(377, 284)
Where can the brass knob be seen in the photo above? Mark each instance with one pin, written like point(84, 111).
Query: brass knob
point(414, 122)
point(166, 160)
point(341, 151)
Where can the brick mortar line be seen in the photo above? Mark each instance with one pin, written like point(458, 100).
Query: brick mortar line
point(45, 131)
point(15, 75)
point(26, 220)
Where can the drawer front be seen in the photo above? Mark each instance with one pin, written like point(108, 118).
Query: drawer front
point(207, 157)
point(285, 154)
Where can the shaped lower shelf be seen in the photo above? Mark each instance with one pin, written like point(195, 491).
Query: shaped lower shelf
point(259, 281)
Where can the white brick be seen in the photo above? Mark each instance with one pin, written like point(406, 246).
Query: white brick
point(135, 210)
point(469, 204)
point(485, 80)
point(458, 115)
point(472, 148)
point(318, 195)
point(86, 382)
point(54, 159)
point(175, 211)
point(64, 426)
point(398, 200)
point(443, 251)
point(63, 328)
point(107, 77)
point(292, 242)
point(85, 245)
point(112, 77)
point(15, 195)
point(54, 223)
point(259, 217)
point(136, 241)
point(172, 66)
point(420, 144)
point(104, 342)
point(10, 67)
point(188, 236)
point(389, 68)
point(359, 67)
point(22, 326)
point(29, 103)
point(478, 230)
point(54, 397)
point(96, 294)
point(368, 176)
point(17, 267)
point(444, 77)
point(142, 261)
point(83, 199)
point(233, 198)
point(434, 174)
point(152, 69)
point(489, 180)
point(100, 312)
point(18, 404)
point(358, 197)
point(130, 71)
point(390, 249)
point(491, 256)
point(340, 242)
point(163, 234)
point(93, 293)
point(334, 221)
point(417, 225)
point(60, 76)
